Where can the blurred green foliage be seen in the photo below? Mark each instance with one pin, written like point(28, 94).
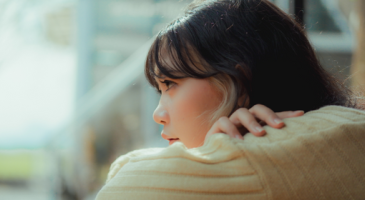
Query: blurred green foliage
point(17, 166)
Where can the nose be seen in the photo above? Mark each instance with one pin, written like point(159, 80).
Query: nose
point(160, 115)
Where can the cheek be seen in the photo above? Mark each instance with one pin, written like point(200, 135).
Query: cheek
point(189, 122)
point(193, 103)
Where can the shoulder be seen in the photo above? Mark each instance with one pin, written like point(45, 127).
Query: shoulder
point(217, 149)
point(175, 172)
point(320, 153)
point(123, 159)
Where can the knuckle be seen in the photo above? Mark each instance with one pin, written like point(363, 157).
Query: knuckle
point(258, 106)
point(242, 110)
point(231, 129)
point(222, 119)
point(252, 123)
point(253, 108)
point(246, 115)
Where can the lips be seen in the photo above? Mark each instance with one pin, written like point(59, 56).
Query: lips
point(170, 139)
point(173, 140)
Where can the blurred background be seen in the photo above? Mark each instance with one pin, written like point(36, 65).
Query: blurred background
point(73, 92)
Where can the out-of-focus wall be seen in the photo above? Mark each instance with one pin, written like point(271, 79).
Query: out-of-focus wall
point(122, 121)
point(37, 86)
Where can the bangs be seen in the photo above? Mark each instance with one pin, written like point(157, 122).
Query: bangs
point(173, 56)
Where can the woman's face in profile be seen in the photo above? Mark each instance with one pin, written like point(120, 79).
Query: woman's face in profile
point(184, 109)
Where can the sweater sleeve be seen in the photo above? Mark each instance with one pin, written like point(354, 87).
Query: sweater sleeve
point(320, 155)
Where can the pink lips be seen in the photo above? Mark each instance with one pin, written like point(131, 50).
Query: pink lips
point(172, 141)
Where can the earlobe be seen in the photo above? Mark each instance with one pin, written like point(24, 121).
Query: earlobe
point(244, 101)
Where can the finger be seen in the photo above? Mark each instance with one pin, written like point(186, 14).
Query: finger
point(224, 125)
point(267, 115)
point(244, 118)
point(289, 114)
point(284, 115)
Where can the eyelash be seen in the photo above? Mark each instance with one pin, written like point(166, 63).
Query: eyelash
point(167, 83)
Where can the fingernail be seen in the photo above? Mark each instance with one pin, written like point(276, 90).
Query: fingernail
point(299, 111)
point(259, 129)
point(238, 137)
point(277, 121)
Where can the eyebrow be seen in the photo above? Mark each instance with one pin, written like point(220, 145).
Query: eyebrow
point(157, 79)
point(159, 74)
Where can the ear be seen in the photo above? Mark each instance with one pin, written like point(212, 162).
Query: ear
point(242, 100)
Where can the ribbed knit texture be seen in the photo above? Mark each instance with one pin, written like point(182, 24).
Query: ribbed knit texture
point(320, 155)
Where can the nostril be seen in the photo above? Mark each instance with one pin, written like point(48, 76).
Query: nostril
point(160, 115)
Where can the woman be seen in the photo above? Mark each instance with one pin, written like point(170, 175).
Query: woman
point(249, 52)
point(218, 68)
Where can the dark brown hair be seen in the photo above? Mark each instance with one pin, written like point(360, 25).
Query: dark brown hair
point(263, 51)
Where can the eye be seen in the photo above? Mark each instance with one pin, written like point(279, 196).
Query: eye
point(168, 84)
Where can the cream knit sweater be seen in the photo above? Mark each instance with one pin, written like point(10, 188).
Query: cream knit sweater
point(320, 155)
